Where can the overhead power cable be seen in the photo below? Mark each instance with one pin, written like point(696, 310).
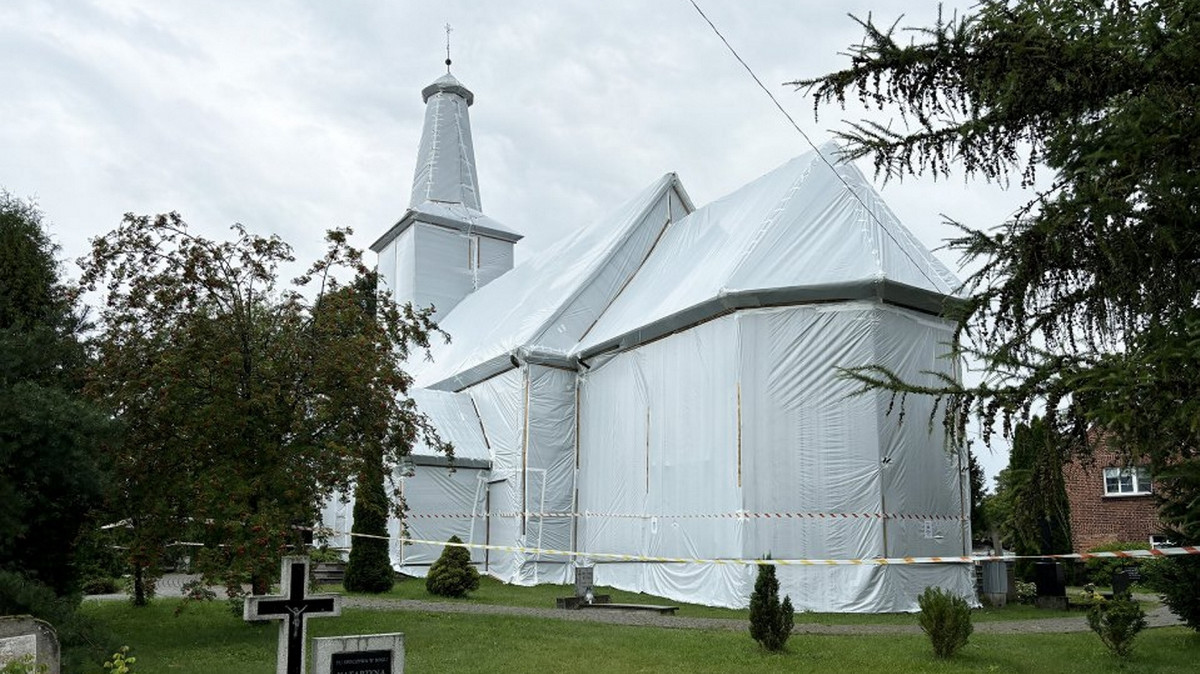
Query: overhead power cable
point(919, 265)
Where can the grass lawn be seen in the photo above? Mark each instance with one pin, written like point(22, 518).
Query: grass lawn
point(209, 638)
point(492, 591)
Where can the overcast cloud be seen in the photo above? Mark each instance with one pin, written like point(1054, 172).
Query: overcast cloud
point(292, 117)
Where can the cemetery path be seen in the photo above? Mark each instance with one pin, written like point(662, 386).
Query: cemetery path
point(1160, 616)
point(172, 584)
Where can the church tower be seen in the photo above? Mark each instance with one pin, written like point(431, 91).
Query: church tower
point(444, 248)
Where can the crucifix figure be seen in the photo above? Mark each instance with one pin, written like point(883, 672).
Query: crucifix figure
point(293, 610)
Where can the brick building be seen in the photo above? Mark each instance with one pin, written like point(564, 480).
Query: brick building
point(1110, 501)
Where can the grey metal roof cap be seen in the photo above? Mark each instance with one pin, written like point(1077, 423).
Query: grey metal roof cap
point(448, 84)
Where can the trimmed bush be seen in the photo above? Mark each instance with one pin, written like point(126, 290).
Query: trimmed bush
point(946, 618)
point(1100, 570)
point(770, 619)
point(100, 585)
point(1177, 581)
point(452, 574)
point(1117, 622)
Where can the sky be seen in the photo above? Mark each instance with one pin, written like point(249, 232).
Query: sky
point(292, 117)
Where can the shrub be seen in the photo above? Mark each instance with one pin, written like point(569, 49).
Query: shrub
point(100, 585)
point(120, 662)
point(770, 619)
point(1026, 592)
point(1117, 622)
point(452, 574)
point(1100, 571)
point(1177, 581)
point(946, 618)
point(324, 555)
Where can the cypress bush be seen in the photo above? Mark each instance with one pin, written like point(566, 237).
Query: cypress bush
point(946, 618)
point(770, 619)
point(369, 568)
point(452, 574)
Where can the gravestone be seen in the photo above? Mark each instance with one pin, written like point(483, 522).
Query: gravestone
point(293, 609)
point(1123, 580)
point(584, 587)
point(26, 635)
point(1051, 582)
point(362, 654)
point(995, 583)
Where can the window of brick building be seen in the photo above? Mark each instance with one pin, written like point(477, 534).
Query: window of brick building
point(1126, 481)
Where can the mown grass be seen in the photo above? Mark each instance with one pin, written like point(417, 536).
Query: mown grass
point(209, 638)
point(492, 591)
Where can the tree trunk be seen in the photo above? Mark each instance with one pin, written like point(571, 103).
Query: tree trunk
point(139, 585)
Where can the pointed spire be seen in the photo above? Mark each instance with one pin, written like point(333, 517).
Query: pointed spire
point(446, 160)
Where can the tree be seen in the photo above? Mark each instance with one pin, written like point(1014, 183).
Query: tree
point(246, 401)
point(770, 620)
point(980, 526)
point(452, 574)
point(49, 434)
point(370, 567)
point(1087, 301)
point(1031, 498)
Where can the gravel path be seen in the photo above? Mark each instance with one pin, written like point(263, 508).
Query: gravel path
point(171, 585)
point(1158, 617)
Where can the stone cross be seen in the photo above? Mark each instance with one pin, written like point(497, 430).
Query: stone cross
point(293, 609)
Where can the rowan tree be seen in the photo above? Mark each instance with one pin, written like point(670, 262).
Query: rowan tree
point(247, 401)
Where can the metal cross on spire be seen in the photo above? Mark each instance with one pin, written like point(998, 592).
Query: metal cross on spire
point(448, 31)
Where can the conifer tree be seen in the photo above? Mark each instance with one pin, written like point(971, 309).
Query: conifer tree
point(452, 574)
point(1086, 302)
point(369, 568)
point(770, 620)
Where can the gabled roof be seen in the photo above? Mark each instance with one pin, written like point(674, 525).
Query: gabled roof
point(543, 306)
point(796, 234)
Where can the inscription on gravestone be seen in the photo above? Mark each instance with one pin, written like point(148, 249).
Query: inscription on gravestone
point(363, 662)
point(359, 654)
point(15, 648)
point(584, 576)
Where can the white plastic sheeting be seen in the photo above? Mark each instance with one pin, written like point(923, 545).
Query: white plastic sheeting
point(665, 384)
point(446, 158)
point(458, 496)
point(736, 439)
point(798, 227)
point(454, 417)
point(501, 404)
point(548, 302)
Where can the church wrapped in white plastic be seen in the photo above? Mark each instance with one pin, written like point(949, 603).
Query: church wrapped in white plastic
point(664, 383)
